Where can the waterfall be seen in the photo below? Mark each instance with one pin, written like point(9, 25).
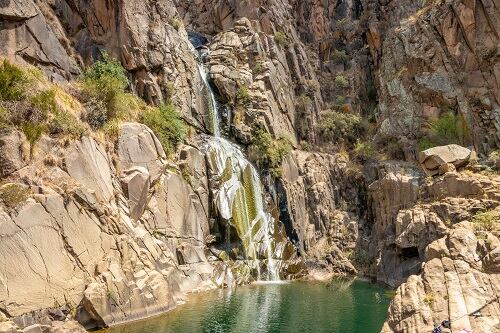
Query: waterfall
point(238, 198)
point(238, 195)
point(211, 102)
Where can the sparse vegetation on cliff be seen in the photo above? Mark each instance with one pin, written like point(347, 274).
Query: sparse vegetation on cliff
point(366, 150)
point(167, 125)
point(104, 95)
point(339, 127)
point(268, 153)
point(13, 195)
point(30, 108)
point(13, 82)
point(447, 129)
point(487, 221)
point(341, 81)
point(340, 56)
point(281, 39)
point(243, 96)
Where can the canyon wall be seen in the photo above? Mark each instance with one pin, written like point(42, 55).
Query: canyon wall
point(112, 230)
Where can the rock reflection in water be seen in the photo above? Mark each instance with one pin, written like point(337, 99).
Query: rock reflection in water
point(339, 306)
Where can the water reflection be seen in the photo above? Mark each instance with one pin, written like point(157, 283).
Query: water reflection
point(341, 306)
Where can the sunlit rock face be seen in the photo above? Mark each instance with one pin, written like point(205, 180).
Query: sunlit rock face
point(115, 231)
point(112, 244)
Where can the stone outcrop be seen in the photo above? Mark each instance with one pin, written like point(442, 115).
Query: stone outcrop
point(32, 35)
point(440, 252)
point(113, 245)
point(456, 284)
point(322, 208)
point(451, 65)
point(14, 151)
point(239, 64)
point(411, 212)
point(439, 160)
point(62, 37)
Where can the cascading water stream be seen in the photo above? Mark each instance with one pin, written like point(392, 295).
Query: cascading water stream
point(238, 196)
point(212, 103)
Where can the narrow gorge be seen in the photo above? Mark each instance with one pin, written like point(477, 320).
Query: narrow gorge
point(249, 166)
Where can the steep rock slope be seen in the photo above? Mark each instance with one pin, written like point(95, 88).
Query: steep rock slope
point(146, 225)
point(147, 37)
point(452, 64)
point(115, 237)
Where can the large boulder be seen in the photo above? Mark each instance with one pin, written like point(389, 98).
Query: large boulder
point(435, 160)
point(14, 151)
point(139, 147)
point(135, 184)
point(87, 162)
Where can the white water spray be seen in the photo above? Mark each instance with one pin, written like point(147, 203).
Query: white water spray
point(212, 103)
point(238, 196)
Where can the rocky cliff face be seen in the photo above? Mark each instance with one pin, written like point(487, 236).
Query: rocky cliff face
point(113, 237)
point(453, 64)
point(111, 230)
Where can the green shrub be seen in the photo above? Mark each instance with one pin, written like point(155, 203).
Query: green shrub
point(125, 106)
point(365, 150)
point(25, 117)
point(340, 100)
point(96, 113)
point(112, 128)
point(429, 299)
point(341, 81)
point(340, 127)
point(13, 82)
point(175, 23)
point(268, 153)
point(34, 115)
point(45, 101)
point(167, 124)
point(105, 81)
point(33, 131)
point(13, 194)
point(281, 39)
point(487, 221)
point(426, 143)
point(63, 122)
point(105, 72)
point(447, 129)
point(258, 68)
point(243, 96)
point(339, 56)
point(104, 94)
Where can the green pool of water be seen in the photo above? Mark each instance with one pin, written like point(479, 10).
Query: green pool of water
point(341, 306)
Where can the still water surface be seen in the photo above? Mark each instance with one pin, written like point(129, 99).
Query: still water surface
point(341, 306)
